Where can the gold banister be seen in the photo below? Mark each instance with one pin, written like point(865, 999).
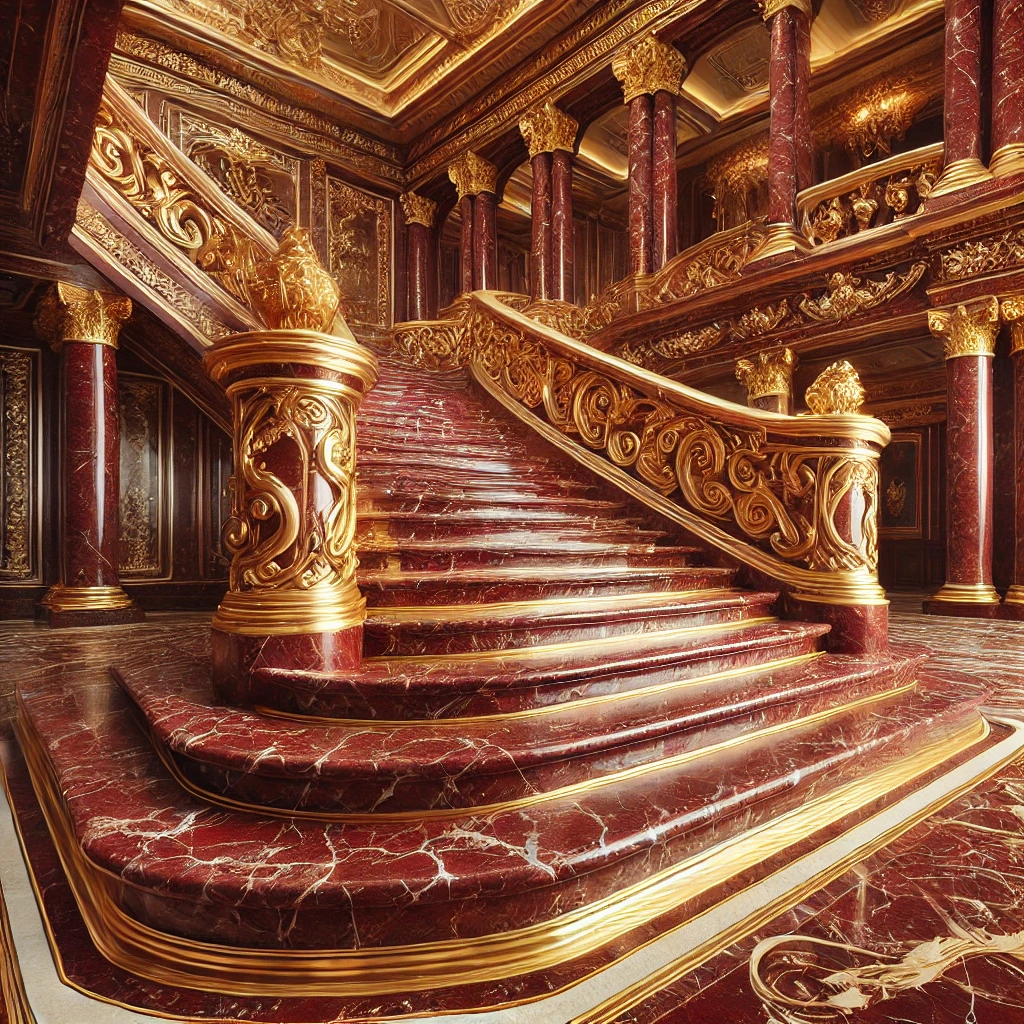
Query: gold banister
point(792, 497)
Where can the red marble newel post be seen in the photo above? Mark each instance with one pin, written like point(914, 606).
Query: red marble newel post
point(790, 140)
point(419, 219)
point(1007, 88)
point(550, 136)
point(475, 181)
point(1013, 310)
point(83, 327)
point(969, 333)
point(962, 123)
point(651, 74)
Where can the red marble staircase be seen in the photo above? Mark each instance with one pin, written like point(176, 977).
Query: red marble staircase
point(562, 716)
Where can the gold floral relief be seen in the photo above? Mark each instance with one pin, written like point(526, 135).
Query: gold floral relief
point(360, 252)
point(141, 402)
point(17, 415)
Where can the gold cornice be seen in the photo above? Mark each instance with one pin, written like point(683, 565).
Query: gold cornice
point(1012, 310)
point(969, 329)
point(769, 373)
point(69, 313)
point(471, 174)
point(418, 209)
point(647, 66)
point(769, 8)
point(546, 128)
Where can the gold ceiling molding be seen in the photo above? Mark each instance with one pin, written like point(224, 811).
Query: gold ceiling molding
point(471, 174)
point(969, 329)
point(647, 66)
point(836, 391)
point(69, 313)
point(769, 373)
point(418, 209)
point(546, 128)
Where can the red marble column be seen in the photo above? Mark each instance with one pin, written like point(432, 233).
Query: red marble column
point(1007, 88)
point(641, 180)
point(562, 237)
point(540, 227)
point(1013, 310)
point(83, 326)
point(665, 183)
point(419, 218)
point(962, 99)
point(466, 253)
point(969, 334)
point(485, 241)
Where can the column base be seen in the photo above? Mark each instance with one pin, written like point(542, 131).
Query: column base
point(1007, 160)
point(1013, 604)
point(67, 607)
point(860, 629)
point(968, 600)
point(960, 174)
point(781, 243)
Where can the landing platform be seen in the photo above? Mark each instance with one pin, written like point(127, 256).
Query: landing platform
point(852, 949)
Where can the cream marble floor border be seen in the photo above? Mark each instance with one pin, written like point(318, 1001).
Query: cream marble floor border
point(53, 1002)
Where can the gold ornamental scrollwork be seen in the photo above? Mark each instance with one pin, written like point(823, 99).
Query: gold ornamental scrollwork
point(837, 390)
point(795, 497)
point(648, 66)
point(967, 330)
point(546, 128)
point(70, 313)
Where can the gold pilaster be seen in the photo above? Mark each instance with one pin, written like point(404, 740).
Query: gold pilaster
point(969, 329)
point(472, 174)
point(546, 128)
point(418, 209)
point(648, 66)
point(768, 374)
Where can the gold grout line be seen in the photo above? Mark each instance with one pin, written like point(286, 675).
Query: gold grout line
point(574, 789)
point(541, 650)
point(461, 722)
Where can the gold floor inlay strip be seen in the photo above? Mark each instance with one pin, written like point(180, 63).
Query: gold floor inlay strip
point(572, 791)
point(458, 723)
point(175, 961)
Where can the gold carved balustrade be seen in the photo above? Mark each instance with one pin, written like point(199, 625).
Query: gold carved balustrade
point(792, 497)
point(870, 196)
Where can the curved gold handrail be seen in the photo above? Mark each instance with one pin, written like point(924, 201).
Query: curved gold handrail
point(793, 497)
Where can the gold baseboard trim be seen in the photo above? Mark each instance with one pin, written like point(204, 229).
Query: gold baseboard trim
point(1007, 160)
point(321, 609)
point(967, 593)
point(572, 791)
point(13, 998)
point(960, 174)
point(60, 598)
point(170, 960)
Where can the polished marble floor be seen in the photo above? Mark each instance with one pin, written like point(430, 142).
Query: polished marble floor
point(929, 930)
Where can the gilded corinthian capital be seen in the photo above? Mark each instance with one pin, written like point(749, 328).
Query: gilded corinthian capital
point(69, 313)
point(546, 128)
point(769, 8)
point(418, 209)
point(648, 66)
point(472, 174)
point(770, 372)
point(969, 329)
point(1012, 310)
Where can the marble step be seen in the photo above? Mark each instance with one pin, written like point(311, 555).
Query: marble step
point(537, 552)
point(450, 629)
point(489, 584)
point(448, 500)
point(180, 866)
point(463, 763)
point(509, 680)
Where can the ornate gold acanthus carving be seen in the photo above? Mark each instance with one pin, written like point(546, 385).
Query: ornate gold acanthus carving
point(1012, 311)
point(648, 66)
point(546, 128)
point(969, 329)
point(709, 464)
point(769, 8)
point(848, 294)
point(418, 209)
point(994, 252)
point(837, 390)
point(472, 174)
point(69, 313)
point(770, 372)
point(291, 542)
point(17, 551)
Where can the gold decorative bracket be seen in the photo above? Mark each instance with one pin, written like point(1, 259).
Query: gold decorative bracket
point(969, 329)
point(648, 66)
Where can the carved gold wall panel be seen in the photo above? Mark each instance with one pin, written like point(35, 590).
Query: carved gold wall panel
point(359, 249)
point(19, 465)
point(144, 513)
